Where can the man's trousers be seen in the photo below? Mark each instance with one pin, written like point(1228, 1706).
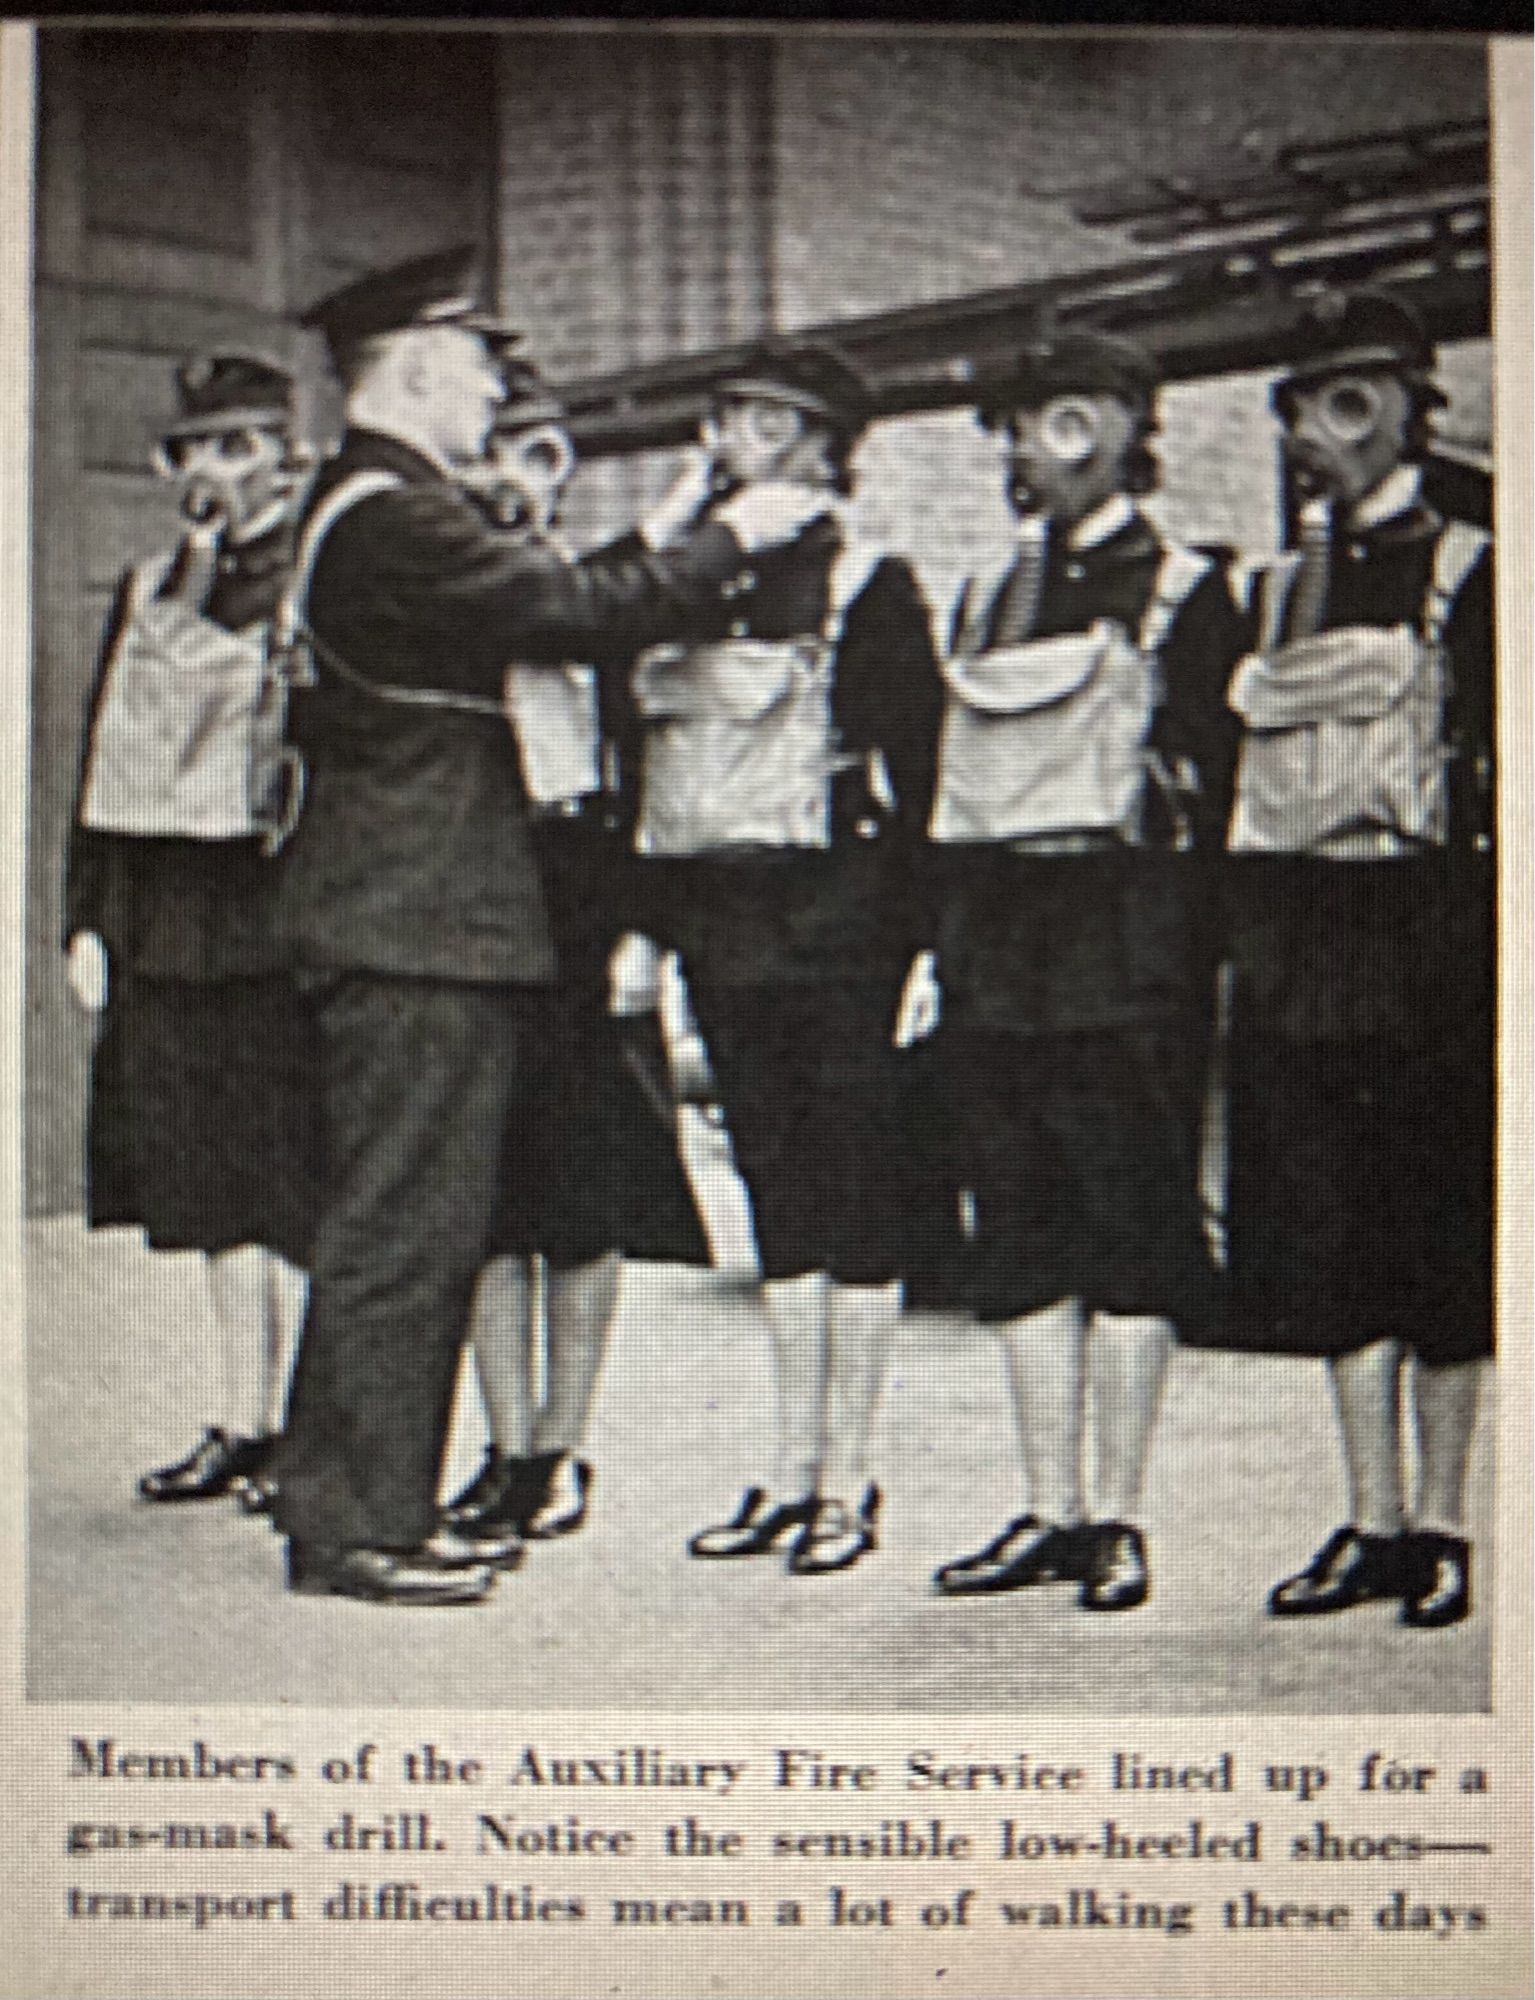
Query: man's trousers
point(417, 1079)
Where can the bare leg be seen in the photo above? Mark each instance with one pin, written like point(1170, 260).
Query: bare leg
point(1444, 1409)
point(1044, 1358)
point(501, 1334)
point(237, 1281)
point(860, 1322)
point(286, 1287)
point(1127, 1360)
point(1366, 1388)
point(797, 1314)
point(579, 1314)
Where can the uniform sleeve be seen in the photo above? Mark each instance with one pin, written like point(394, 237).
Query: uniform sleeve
point(89, 856)
point(1469, 644)
point(462, 600)
point(889, 694)
point(1195, 726)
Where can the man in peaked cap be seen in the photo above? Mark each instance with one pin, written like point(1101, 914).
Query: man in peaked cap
point(1362, 918)
point(200, 1118)
point(1085, 758)
point(412, 902)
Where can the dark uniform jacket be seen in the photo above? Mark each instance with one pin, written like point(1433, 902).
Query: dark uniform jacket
point(1344, 949)
point(1124, 937)
point(851, 911)
point(166, 907)
point(411, 854)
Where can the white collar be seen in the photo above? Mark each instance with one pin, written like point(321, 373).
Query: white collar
point(1398, 491)
point(1106, 520)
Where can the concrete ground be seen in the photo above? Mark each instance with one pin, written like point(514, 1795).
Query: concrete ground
point(184, 1604)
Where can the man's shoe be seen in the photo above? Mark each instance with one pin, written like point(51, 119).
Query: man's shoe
point(210, 1469)
point(1027, 1551)
point(1436, 1587)
point(1117, 1578)
point(474, 1543)
point(1348, 1569)
point(758, 1523)
point(487, 1491)
point(835, 1537)
point(385, 1576)
point(561, 1484)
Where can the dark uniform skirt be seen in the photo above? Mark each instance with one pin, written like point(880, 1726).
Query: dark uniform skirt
point(1360, 1110)
point(590, 1161)
point(808, 1082)
point(203, 1127)
point(1080, 1152)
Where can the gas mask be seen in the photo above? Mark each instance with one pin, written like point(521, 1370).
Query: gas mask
point(523, 478)
point(236, 481)
point(749, 439)
point(1064, 450)
point(1328, 425)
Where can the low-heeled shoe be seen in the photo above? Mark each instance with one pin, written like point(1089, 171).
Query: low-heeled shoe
point(210, 1469)
point(1117, 1577)
point(757, 1524)
point(561, 1484)
point(835, 1536)
point(475, 1542)
point(1027, 1551)
point(1349, 1568)
point(487, 1492)
point(1436, 1583)
point(385, 1576)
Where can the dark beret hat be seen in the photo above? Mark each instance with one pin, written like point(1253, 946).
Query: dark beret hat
point(1340, 332)
point(228, 392)
point(529, 399)
point(436, 290)
point(808, 375)
point(1071, 364)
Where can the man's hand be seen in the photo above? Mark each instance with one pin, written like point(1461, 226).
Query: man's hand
point(773, 512)
point(87, 971)
point(685, 499)
point(196, 564)
point(921, 1002)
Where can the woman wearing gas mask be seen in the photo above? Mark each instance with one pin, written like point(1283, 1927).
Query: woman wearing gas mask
point(1361, 893)
point(787, 764)
point(591, 1172)
point(1083, 774)
point(200, 1126)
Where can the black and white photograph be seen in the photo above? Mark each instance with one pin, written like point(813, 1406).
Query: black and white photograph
point(761, 883)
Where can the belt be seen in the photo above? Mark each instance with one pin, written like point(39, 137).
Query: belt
point(1051, 845)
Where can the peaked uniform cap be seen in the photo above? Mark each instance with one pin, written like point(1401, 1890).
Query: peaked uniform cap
point(439, 289)
point(808, 375)
point(1072, 364)
point(225, 392)
point(1341, 332)
point(529, 400)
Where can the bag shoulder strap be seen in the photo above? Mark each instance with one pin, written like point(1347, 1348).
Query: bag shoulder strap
point(1179, 574)
point(1456, 554)
point(350, 493)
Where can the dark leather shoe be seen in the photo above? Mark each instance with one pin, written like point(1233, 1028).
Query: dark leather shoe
point(1436, 1586)
point(1348, 1569)
point(487, 1491)
point(1117, 1578)
point(561, 1484)
point(758, 1523)
point(385, 1576)
point(210, 1469)
point(473, 1543)
point(835, 1537)
point(1027, 1551)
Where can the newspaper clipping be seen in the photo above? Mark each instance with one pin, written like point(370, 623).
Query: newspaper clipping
point(766, 1154)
